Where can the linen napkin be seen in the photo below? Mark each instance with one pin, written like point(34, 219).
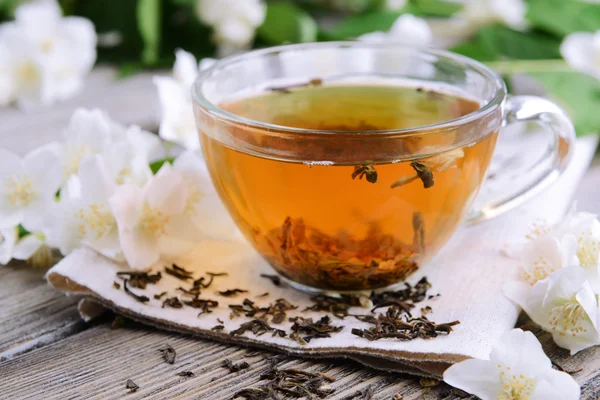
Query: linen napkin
point(468, 273)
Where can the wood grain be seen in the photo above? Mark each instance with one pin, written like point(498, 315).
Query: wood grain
point(49, 353)
point(31, 313)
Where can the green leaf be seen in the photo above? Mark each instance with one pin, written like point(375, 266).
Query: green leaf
point(508, 43)
point(353, 27)
point(156, 165)
point(22, 231)
point(128, 69)
point(434, 8)
point(286, 23)
point(578, 93)
point(476, 50)
point(184, 2)
point(148, 20)
point(562, 17)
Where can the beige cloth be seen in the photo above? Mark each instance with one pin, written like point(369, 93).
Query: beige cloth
point(468, 273)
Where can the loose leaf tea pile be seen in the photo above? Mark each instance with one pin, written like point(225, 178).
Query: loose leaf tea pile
point(305, 254)
point(397, 322)
point(289, 383)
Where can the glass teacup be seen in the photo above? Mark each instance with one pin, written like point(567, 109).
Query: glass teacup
point(348, 165)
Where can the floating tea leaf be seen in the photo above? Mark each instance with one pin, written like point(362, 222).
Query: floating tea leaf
point(168, 354)
point(424, 173)
point(368, 171)
point(419, 232)
point(227, 363)
point(287, 89)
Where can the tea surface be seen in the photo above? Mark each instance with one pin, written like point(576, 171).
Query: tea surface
point(359, 225)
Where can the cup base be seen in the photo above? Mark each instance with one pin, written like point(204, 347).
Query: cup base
point(334, 292)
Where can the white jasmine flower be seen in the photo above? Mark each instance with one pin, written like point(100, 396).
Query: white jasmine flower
point(92, 132)
point(8, 238)
point(29, 245)
point(512, 13)
point(395, 5)
point(89, 132)
point(234, 22)
point(28, 187)
point(564, 304)
point(178, 124)
point(581, 50)
point(517, 369)
point(45, 55)
point(152, 220)
point(61, 226)
point(22, 69)
point(204, 207)
point(84, 216)
point(545, 255)
point(406, 29)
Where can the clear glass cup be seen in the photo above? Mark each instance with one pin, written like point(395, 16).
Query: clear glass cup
point(334, 234)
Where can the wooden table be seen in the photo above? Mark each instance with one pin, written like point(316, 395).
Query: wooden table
point(47, 352)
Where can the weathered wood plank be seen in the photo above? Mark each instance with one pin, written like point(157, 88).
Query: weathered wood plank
point(97, 362)
point(31, 313)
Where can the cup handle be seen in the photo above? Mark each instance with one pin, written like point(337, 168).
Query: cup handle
point(557, 123)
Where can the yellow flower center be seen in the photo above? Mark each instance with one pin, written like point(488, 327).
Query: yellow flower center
point(27, 72)
point(47, 45)
point(97, 220)
point(541, 270)
point(19, 191)
point(514, 387)
point(568, 318)
point(194, 197)
point(73, 158)
point(123, 176)
point(538, 230)
point(153, 221)
point(588, 249)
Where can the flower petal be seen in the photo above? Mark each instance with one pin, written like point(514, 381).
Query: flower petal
point(26, 246)
point(185, 69)
point(477, 377)
point(522, 352)
point(127, 203)
point(140, 251)
point(556, 385)
point(8, 238)
point(167, 191)
point(564, 284)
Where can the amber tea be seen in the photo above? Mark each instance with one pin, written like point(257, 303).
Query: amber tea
point(349, 224)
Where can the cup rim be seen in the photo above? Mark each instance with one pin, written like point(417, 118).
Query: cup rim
point(486, 109)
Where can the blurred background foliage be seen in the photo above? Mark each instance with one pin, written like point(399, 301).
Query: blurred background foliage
point(137, 34)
